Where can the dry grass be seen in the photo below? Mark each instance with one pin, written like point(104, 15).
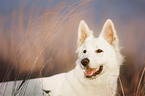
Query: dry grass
point(132, 85)
point(29, 49)
point(45, 45)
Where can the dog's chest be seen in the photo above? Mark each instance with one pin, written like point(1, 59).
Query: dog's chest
point(73, 87)
point(83, 91)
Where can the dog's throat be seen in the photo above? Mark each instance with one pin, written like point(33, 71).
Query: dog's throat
point(89, 72)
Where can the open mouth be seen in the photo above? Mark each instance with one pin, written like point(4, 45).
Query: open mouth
point(90, 72)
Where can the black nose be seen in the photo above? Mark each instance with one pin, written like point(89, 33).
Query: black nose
point(85, 61)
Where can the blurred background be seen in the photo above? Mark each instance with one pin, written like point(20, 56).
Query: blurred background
point(38, 38)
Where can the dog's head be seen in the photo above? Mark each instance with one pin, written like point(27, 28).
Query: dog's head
point(98, 55)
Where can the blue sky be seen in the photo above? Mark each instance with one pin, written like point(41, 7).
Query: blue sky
point(124, 9)
point(127, 7)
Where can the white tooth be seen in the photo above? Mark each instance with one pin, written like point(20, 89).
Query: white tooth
point(92, 73)
point(97, 69)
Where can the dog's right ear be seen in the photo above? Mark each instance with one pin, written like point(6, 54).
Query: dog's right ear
point(83, 32)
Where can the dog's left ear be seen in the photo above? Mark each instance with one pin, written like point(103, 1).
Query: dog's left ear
point(109, 33)
point(83, 32)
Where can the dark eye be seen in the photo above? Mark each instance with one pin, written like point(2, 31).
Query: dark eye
point(99, 51)
point(84, 51)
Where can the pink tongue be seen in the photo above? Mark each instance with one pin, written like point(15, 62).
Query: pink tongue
point(90, 72)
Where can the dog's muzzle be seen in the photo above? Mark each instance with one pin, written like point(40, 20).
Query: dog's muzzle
point(90, 72)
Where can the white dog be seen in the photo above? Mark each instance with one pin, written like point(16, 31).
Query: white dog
point(95, 74)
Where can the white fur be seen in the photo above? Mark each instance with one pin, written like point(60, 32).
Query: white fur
point(74, 83)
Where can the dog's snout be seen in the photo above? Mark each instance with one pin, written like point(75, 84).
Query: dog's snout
point(85, 61)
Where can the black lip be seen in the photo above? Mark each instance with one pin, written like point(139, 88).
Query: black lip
point(100, 70)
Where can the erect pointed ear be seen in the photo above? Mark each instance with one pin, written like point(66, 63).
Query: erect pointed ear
point(109, 32)
point(83, 32)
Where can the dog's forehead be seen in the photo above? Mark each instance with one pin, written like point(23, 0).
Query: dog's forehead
point(93, 41)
